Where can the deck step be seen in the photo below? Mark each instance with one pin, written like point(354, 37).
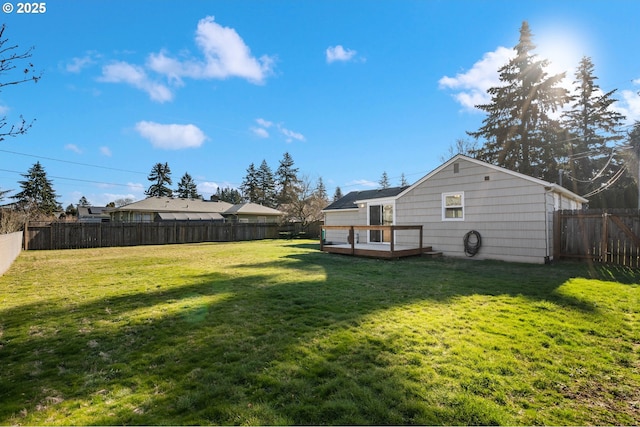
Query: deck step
point(432, 254)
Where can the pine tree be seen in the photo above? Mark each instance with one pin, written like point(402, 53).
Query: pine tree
point(83, 202)
point(384, 181)
point(321, 190)
point(229, 195)
point(187, 188)
point(37, 193)
point(518, 130)
point(594, 127)
point(337, 195)
point(266, 186)
point(403, 180)
point(287, 180)
point(161, 177)
point(249, 186)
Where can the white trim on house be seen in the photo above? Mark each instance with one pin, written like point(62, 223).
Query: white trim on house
point(451, 208)
point(546, 184)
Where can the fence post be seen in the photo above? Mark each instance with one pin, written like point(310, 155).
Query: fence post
point(605, 237)
point(557, 235)
point(26, 236)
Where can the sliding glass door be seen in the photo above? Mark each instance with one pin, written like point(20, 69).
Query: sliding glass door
point(380, 215)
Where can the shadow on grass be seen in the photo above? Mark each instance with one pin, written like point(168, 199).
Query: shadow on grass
point(224, 349)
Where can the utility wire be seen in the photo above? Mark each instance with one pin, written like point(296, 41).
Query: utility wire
point(72, 162)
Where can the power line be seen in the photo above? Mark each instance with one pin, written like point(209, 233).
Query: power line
point(74, 179)
point(72, 162)
point(79, 164)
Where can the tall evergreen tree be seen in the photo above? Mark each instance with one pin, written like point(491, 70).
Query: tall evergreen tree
point(594, 128)
point(403, 180)
point(287, 180)
point(187, 188)
point(229, 195)
point(266, 186)
point(83, 202)
point(161, 177)
point(337, 194)
point(518, 130)
point(321, 190)
point(37, 193)
point(250, 185)
point(384, 181)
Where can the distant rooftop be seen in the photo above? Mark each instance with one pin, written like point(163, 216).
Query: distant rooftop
point(349, 201)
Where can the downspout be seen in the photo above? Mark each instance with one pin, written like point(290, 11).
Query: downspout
point(547, 256)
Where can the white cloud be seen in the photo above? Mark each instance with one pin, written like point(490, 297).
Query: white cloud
point(225, 54)
point(73, 147)
point(105, 151)
point(291, 135)
point(123, 72)
point(260, 132)
point(472, 85)
point(171, 136)
point(207, 187)
point(629, 105)
point(77, 64)
point(339, 53)
point(136, 187)
point(362, 183)
point(264, 123)
point(107, 198)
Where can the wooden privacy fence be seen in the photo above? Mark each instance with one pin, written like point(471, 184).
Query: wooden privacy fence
point(611, 236)
point(75, 235)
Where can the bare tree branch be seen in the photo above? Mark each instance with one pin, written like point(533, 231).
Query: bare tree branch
point(11, 60)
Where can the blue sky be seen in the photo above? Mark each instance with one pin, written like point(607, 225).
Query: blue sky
point(351, 89)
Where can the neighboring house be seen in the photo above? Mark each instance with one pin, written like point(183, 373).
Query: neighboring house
point(93, 214)
point(252, 212)
point(512, 212)
point(155, 209)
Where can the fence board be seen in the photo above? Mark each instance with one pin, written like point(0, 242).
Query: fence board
point(607, 236)
point(70, 235)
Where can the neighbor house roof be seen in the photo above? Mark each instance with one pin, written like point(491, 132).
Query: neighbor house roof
point(93, 211)
point(167, 204)
point(251, 209)
point(193, 216)
point(350, 200)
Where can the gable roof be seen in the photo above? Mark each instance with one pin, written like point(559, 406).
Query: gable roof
point(350, 200)
point(547, 185)
point(252, 209)
point(167, 204)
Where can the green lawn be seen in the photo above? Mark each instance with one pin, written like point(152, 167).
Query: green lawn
point(275, 332)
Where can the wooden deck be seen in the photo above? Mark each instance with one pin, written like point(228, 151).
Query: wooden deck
point(375, 250)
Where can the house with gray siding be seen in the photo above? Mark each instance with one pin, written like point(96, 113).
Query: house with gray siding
point(511, 212)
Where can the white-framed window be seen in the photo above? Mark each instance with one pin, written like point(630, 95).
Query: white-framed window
point(453, 206)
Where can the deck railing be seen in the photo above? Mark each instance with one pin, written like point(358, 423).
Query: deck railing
point(356, 249)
